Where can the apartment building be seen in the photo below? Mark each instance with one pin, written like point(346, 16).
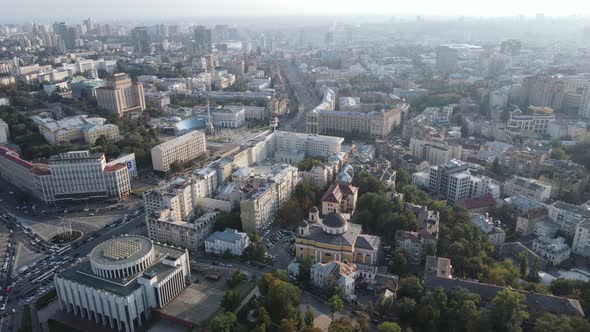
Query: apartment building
point(344, 274)
point(521, 162)
point(121, 96)
point(434, 152)
point(183, 148)
point(495, 235)
point(75, 175)
point(531, 188)
point(165, 227)
point(263, 202)
point(457, 180)
point(555, 251)
point(568, 216)
point(76, 129)
point(229, 241)
point(581, 244)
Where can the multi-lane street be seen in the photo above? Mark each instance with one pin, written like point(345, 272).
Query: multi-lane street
point(35, 279)
point(308, 96)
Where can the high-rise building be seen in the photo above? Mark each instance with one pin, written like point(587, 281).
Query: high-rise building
point(140, 40)
point(446, 59)
point(69, 35)
point(120, 95)
point(511, 47)
point(545, 91)
point(203, 40)
point(584, 110)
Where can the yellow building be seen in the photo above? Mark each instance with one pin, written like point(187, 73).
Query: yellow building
point(333, 238)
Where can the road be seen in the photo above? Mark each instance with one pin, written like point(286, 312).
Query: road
point(308, 96)
point(28, 286)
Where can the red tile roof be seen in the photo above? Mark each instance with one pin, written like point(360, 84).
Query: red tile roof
point(336, 191)
point(478, 202)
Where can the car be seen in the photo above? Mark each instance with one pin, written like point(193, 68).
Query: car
point(91, 214)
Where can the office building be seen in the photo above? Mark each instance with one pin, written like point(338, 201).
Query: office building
point(183, 148)
point(202, 40)
point(325, 120)
point(75, 175)
point(511, 47)
point(164, 226)
point(121, 96)
point(228, 241)
point(533, 122)
point(123, 281)
point(4, 132)
point(76, 129)
point(228, 117)
point(531, 188)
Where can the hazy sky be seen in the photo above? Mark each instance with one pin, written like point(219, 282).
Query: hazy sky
point(198, 8)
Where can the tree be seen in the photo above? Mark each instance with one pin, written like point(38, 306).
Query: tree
point(335, 303)
point(343, 324)
point(230, 300)
point(223, 322)
point(509, 311)
point(309, 316)
point(311, 329)
point(523, 264)
point(410, 287)
point(305, 270)
point(533, 275)
point(389, 327)
point(288, 325)
point(176, 167)
point(551, 322)
point(400, 262)
point(263, 316)
point(280, 298)
point(235, 278)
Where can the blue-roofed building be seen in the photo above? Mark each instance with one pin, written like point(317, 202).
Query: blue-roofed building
point(230, 240)
point(189, 124)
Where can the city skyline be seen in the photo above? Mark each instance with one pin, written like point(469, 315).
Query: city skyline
point(265, 8)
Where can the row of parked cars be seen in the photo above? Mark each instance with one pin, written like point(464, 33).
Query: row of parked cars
point(278, 236)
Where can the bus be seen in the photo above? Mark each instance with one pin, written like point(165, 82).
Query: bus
point(43, 277)
point(62, 250)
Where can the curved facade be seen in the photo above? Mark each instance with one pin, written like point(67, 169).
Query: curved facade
point(122, 281)
point(122, 257)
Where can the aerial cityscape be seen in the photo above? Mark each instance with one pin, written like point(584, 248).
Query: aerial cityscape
point(295, 166)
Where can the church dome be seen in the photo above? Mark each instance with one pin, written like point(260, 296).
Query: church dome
point(334, 223)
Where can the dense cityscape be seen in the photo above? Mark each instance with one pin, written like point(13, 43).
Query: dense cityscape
point(352, 173)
